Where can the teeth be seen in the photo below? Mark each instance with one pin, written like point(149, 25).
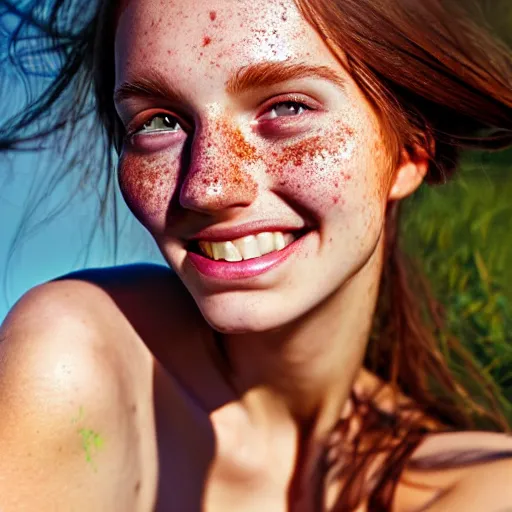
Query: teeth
point(265, 242)
point(206, 247)
point(231, 253)
point(279, 241)
point(225, 251)
point(248, 247)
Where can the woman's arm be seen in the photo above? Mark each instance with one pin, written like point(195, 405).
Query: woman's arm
point(63, 436)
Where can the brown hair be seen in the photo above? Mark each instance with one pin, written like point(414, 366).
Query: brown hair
point(440, 81)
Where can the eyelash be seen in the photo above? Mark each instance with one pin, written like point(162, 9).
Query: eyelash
point(139, 130)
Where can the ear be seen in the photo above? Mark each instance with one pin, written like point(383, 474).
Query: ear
point(410, 173)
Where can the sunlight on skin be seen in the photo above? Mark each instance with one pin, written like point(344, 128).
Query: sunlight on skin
point(330, 161)
point(198, 94)
point(326, 169)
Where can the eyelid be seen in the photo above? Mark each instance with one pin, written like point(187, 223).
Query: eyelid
point(271, 102)
point(136, 125)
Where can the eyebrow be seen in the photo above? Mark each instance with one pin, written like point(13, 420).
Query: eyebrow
point(266, 74)
point(152, 85)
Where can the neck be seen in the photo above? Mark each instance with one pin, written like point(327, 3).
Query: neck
point(303, 372)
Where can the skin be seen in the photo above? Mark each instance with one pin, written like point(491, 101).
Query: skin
point(178, 434)
point(297, 334)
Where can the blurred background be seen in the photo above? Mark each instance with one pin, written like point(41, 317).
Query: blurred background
point(460, 233)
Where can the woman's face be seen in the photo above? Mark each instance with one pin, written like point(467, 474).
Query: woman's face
point(246, 134)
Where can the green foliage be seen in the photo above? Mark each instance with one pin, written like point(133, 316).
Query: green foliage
point(462, 234)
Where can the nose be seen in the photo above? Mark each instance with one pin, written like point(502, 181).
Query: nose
point(219, 175)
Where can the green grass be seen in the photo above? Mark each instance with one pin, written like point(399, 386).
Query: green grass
point(462, 234)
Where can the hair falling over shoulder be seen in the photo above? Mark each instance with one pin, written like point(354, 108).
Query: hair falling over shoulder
point(439, 79)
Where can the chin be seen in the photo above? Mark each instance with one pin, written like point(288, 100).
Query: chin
point(234, 313)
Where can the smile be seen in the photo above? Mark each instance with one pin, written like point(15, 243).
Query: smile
point(244, 257)
point(247, 247)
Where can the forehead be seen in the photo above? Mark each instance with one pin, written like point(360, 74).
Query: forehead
point(194, 36)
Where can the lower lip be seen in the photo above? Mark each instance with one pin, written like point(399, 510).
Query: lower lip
point(243, 269)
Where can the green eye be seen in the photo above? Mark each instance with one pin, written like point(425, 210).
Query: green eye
point(161, 122)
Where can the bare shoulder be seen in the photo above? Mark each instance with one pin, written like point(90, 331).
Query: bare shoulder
point(93, 312)
point(460, 471)
point(57, 321)
point(70, 354)
point(89, 326)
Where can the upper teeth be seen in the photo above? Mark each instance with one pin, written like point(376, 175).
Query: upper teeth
point(248, 247)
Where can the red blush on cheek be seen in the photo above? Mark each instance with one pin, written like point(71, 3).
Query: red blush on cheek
point(315, 163)
point(148, 184)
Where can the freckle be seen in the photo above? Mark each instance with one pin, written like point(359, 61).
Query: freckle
point(213, 15)
point(147, 184)
point(238, 152)
point(137, 487)
point(206, 40)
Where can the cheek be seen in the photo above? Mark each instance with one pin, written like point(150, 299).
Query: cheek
point(339, 179)
point(339, 169)
point(148, 184)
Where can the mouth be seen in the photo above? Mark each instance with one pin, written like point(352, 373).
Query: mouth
point(245, 248)
point(246, 257)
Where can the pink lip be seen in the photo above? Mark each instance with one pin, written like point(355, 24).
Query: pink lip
point(219, 234)
point(242, 269)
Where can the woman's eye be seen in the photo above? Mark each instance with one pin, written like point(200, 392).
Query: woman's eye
point(161, 122)
point(285, 108)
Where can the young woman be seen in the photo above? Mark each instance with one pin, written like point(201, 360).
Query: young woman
point(266, 146)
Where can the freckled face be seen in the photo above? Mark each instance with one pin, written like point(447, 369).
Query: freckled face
point(304, 152)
